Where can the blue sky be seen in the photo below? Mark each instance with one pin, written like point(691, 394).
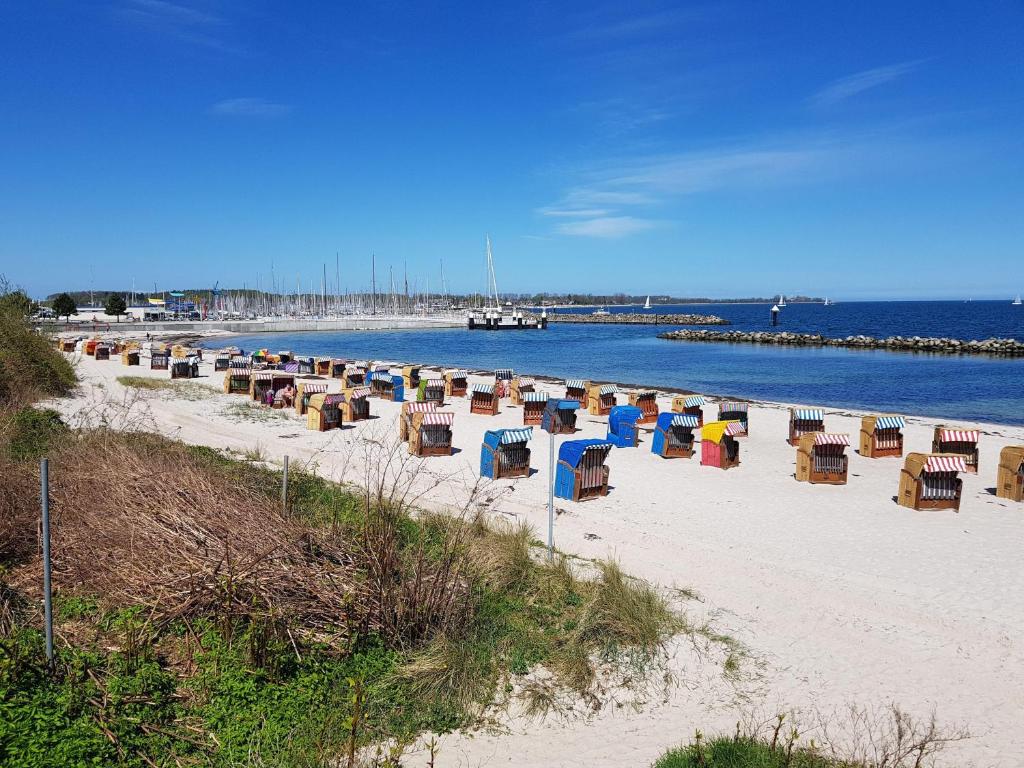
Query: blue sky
point(857, 150)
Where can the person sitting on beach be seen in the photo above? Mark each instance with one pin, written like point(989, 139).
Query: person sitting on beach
point(288, 396)
point(268, 398)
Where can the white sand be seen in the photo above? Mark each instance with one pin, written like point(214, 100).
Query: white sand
point(841, 595)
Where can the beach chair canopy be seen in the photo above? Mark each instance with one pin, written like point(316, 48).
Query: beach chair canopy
point(608, 389)
point(572, 451)
point(526, 382)
point(496, 437)
point(733, 407)
point(502, 374)
point(457, 373)
point(561, 404)
point(890, 422)
point(829, 438)
point(429, 407)
point(290, 367)
point(484, 389)
point(622, 415)
point(958, 435)
point(646, 393)
point(947, 463)
point(808, 414)
point(359, 392)
point(916, 463)
point(667, 420)
point(534, 397)
point(716, 430)
point(435, 382)
point(313, 389)
point(575, 383)
point(692, 401)
point(435, 418)
point(336, 399)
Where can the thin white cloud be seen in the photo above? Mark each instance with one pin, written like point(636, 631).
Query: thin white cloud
point(606, 227)
point(176, 20)
point(691, 172)
point(587, 213)
point(249, 107)
point(845, 87)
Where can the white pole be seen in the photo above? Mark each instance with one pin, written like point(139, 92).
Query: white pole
point(551, 499)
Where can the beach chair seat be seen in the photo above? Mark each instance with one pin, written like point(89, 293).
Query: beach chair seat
point(881, 436)
point(930, 481)
point(961, 441)
point(821, 458)
point(673, 435)
point(430, 433)
point(718, 445)
point(623, 431)
point(647, 402)
point(559, 416)
point(505, 453)
point(601, 399)
point(1010, 477)
point(483, 399)
point(804, 421)
point(581, 472)
point(735, 411)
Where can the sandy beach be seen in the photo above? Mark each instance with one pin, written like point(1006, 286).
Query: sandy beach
point(838, 595)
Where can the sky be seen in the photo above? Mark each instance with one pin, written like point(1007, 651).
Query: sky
point(868, 150)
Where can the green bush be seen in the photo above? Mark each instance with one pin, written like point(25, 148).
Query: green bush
point(33, 432)
point(31, 367)
point(743, 753)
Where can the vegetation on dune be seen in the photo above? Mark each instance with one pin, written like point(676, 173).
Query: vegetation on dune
point(200, 622)
point(857, 738)
point(30, 365)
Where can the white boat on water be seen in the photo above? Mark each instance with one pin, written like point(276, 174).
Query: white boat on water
point(495, 317)
point(647, 304)
point(782, 301)
point(1016, 302)
point(827, 303)
point(600, 312)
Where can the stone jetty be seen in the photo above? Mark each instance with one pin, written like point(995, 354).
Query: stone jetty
point(638, 318)
point(995, 347)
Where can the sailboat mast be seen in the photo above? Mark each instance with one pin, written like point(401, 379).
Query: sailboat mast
point(490, 272)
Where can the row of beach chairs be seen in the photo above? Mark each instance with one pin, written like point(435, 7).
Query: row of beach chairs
point(927, 480)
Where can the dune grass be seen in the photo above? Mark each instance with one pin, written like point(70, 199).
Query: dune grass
point(202, 620)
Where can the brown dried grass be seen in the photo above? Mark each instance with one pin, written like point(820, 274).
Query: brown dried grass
point(142, 521)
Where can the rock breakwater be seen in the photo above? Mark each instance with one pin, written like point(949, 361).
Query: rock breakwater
point(639, 318)
point(995, 347)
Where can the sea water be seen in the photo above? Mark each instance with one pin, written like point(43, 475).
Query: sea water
point(943, 386)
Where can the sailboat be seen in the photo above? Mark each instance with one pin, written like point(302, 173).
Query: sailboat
point(827, 303)
point(1016, 302)
point(647, 304)
point(782, 300)
point(497, 318)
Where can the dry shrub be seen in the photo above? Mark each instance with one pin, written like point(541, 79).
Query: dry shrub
point(141, 522)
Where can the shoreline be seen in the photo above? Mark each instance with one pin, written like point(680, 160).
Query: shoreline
point(837, 594)
point(673, 390)
point(209, 341)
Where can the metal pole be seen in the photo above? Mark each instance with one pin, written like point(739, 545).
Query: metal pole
point(551, 499)
point(44, 474)
point(284, 488)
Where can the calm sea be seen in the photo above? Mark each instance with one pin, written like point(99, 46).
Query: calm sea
point(967, 388)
